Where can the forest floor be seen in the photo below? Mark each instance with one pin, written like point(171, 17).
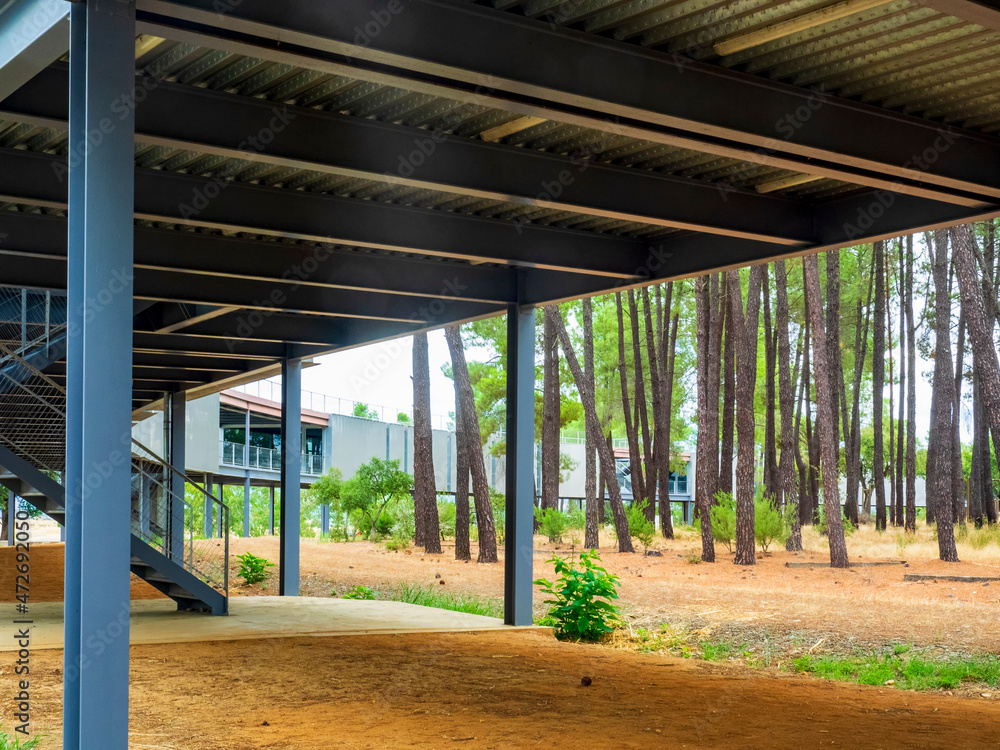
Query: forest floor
point(768, 611)
point(508, 689)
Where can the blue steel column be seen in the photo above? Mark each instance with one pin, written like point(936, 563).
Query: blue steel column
point(209, 506)
point(271, 519)
point(246, 480)
point(518, 554)
point(291, 476)
point(178, 420)
point(99, 374)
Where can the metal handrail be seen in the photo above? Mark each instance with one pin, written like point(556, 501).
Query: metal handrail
point(187, 557)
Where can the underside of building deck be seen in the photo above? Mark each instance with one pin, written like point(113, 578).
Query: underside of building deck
point(220, 189)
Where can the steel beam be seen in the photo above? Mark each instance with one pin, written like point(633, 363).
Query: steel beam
point(185, 117)
point(291, 476)
point(251, 295)
point(99, 414)
point(282, 263)
point(33, 35)
point(477, 54)
point(518, 542)
point(197, 201)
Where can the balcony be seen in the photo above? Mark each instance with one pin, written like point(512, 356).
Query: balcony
point(265, 459)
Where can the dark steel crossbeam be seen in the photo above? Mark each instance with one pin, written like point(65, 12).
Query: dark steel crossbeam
point(223, 124)
point(282, 263)
point(530, 67)
point(219, 204)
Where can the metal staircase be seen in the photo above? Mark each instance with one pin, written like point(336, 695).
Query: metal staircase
point(168, 550)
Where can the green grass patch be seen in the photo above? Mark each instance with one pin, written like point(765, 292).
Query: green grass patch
point(907, 672)
point(431, 596)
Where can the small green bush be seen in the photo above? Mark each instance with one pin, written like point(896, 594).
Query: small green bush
point(397, 543)
point(366, 593)
point(253, 569)
point(723, 515)
point(581, 598)
point(639, 526)
point(551, 523)
point(446, 519)
point(769, 525)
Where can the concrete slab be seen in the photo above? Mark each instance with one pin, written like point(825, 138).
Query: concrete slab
point(158, 621)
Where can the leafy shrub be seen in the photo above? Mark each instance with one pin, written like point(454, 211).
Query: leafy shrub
point(769, 525)
point(253, 569)
point(581, 598)
point(446, 519)
point(396, 543)
point(723, 515)
point(499, 502)
point(366, 593)
point(577, 519)
point(639, 526)
point(551, 523)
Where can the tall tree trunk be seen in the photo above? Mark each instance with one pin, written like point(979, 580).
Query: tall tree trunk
point(462, 515)
point(666, 516)
point(939, 467)
point(853, 461)
point(631, 428)
point(984, 353)
point(607, 460)
point(642, 409)
point(825, 418)
point(891, 456)
point(424, 489)
point(550, 415)
point(717, 315)
point(786, 397)
point(911, 395)
point(833, 356)
point(771, 483)
point(706, 475)
point(745, 334)
point(900, 422)
point(805, 468)
point(957, 489)
point(727, 437)
point(480, 485)
point(878, 386)
point(656, 384)
point(591, 538)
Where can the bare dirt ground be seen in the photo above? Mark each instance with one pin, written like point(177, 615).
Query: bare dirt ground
point(500, 690)
point(768, 605)
point(522, 689)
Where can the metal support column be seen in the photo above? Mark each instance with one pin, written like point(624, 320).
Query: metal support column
point(99, 373)
point(291, 475)
point(222, 521)
point(11, 518)
point(246, 480)
point(324, 519)
point(518, 553)
point(175, 482)
point(207, 522)
point(272, 509)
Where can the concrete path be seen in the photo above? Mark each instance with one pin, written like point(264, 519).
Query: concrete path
point(158, 621)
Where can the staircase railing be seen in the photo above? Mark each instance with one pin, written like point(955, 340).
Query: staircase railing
point(175, 527)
